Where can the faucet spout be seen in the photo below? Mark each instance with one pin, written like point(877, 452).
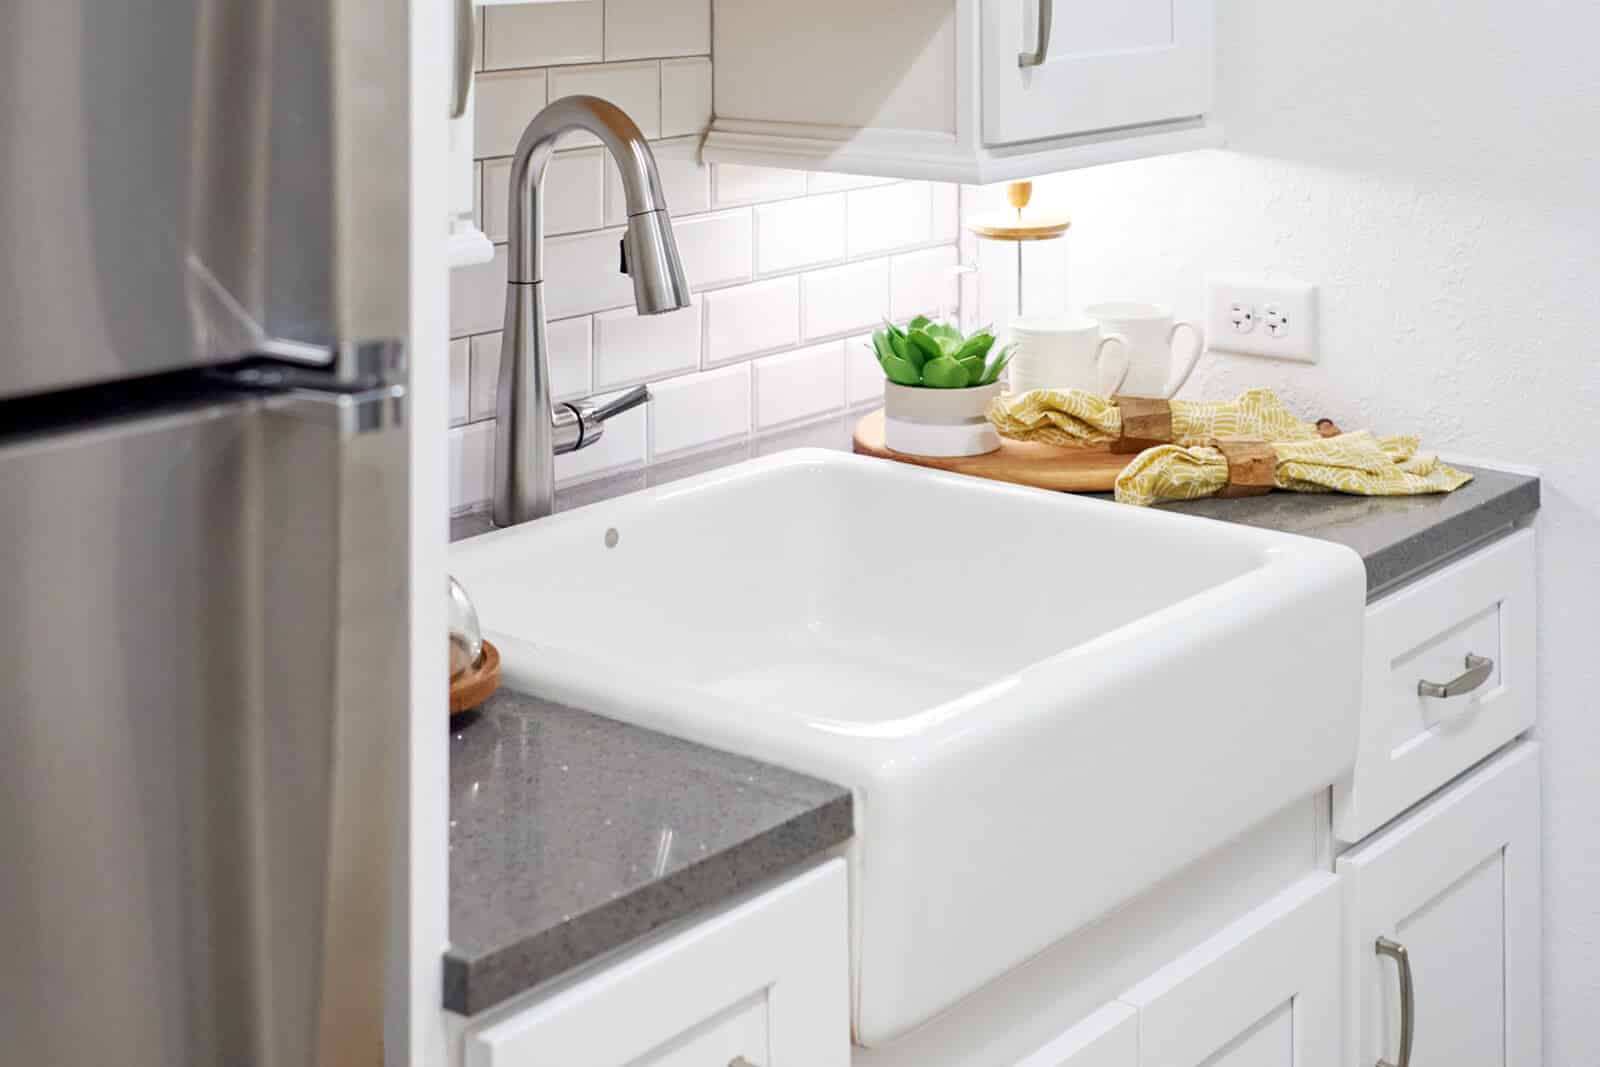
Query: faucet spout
point(529, 428)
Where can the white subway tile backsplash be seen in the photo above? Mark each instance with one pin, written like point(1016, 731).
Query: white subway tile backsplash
point(863, 377)
point(583, 274)
point(751, 319)
point(569, 364)
point(574, 188)
point(541, 35)
point(639, 29)
point(634, 87)
point(685, 97)
point(824, 182)
point(620, 447)
point(478, 296)
point(890, 217)
point(460, 374)
point(685, 181)
point(505, 102)
point(629, 347)
point(845, 299)
point(921, 283)
point(734, 183)
point(946, 212)
point(471, 464)
point(792, 234)
point(799, 385)
point(698, 410)
point(716, 249)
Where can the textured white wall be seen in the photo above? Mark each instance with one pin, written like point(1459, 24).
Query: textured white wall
point(1435, 166)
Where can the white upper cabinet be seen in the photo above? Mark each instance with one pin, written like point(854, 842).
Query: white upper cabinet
point(959, 90)
point(1089, 65)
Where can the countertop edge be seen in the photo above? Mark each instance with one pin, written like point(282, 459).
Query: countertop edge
point(472, 986)
point(1408, 559)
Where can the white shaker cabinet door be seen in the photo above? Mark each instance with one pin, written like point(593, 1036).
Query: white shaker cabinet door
point(765, 983)
point(1454, 887)
point(1106, 66)
point(1264, 992)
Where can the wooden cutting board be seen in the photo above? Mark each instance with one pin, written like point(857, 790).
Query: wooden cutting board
point(1067, 470)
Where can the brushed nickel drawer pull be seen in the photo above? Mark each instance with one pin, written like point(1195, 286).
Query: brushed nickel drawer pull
point(1037, 57)
point(1408, 1003)
point(1478, 670)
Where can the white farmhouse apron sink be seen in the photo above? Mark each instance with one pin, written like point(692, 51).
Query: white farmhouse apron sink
point(1043, 704)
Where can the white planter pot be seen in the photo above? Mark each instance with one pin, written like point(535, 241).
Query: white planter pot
point(939, 422)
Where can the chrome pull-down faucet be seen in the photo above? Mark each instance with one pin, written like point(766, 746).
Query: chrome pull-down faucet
point(529, 429)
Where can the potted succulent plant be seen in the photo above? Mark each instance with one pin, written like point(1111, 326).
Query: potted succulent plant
point(938, 386)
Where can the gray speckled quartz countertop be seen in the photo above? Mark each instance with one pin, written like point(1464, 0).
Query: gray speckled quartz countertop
point(1398, 537)
point(572, 834)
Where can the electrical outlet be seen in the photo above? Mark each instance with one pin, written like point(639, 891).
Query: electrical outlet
point(1262, 318)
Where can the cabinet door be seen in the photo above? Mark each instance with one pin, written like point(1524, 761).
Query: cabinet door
point(1108, 1038)
point(1262, 993)
point(1108, 66)
point(1456, 883)
point(767, 982)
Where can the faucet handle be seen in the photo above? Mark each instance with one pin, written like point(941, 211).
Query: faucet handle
point(620, 403)
point(582, 423)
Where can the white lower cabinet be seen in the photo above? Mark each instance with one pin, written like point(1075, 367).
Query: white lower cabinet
point(765, 983)
point(1263, 992)
point(1453, 887)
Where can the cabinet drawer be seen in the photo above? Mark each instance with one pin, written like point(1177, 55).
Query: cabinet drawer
point(767, 981)
point(1481, 606)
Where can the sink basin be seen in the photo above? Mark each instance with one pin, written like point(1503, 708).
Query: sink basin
point(1043, 704)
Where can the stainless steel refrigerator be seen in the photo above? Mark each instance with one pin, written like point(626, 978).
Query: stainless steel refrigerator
point(203, 527)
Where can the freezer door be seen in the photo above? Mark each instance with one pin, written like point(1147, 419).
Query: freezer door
point(203, 688)
point(184, 182)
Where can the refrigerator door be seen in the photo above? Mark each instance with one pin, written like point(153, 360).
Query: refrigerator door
point(203, 659)
point(185, 182)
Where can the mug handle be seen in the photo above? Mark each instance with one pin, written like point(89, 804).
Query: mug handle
point(1100, 358)
point(1194, 356)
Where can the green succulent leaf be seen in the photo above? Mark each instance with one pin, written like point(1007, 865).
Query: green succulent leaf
point(902, 347)
point(920, 322)
point(927, 343)
point(976, 345)
point(881, 346)
point(944, 373)
point(996, 367)
point(973, 365)
point(899, 371)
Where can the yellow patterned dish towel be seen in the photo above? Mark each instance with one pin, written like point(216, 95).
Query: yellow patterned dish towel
point(1070, 417)
point(1350, 463)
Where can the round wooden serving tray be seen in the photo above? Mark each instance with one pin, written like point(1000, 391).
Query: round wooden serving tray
point(1066, 470)
point(474, 685)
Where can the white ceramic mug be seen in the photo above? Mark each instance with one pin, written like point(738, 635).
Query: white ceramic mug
point(1062, 353)
point(1150, 332)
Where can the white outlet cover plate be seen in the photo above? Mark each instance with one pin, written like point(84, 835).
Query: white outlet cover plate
point(1296, 305)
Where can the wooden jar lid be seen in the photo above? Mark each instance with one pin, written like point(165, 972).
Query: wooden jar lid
point(1018, 224)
